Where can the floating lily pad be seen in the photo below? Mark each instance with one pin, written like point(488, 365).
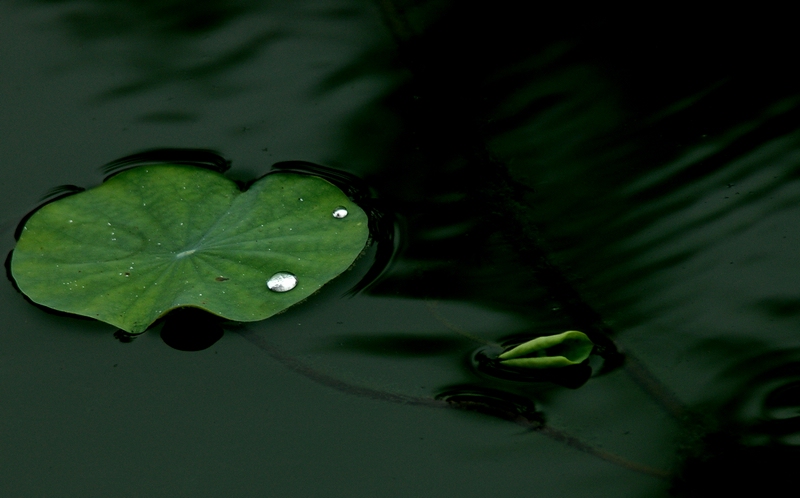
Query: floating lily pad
point(549, 351)
point(155, 238)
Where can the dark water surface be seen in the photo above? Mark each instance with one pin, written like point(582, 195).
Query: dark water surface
point(639, 182)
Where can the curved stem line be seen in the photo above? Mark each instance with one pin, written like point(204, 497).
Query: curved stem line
point(434, 310)
point(573, 442)
point(650, 384)
point(329, 381)
point(402, 399)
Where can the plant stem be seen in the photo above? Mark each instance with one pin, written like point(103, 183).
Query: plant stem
point(332, 382)
point(434, 310)
point(402, 399)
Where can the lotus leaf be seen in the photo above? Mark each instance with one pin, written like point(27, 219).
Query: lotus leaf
point(155, 238)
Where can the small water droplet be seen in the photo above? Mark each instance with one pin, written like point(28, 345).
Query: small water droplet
point(340, 212)
point(70, 221)
point(282, 281)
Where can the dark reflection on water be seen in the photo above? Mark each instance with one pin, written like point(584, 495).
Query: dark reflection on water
point(191, 329)
point(169, 36)
point(755, 441)
point(518, 409)
point(604, 131)
point(761, 403)
point(111, 19)
point(590, 173)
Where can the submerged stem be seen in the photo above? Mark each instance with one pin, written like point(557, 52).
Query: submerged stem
point(402, 399)
point(573, 442)
point(329, 381)
point(640, 374)
point(434, 310)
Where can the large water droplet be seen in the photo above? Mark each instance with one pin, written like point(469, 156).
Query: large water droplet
point(340, 212)
point(282, 281)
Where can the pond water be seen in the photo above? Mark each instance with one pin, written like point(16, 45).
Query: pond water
point(638, 182)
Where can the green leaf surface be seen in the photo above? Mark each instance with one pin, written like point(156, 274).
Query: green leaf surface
point(549, 351)
point(155, 238)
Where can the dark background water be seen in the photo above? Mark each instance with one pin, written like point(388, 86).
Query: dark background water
point(634, 176)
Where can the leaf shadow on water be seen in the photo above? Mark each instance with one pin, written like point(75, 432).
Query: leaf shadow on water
point(163, 37)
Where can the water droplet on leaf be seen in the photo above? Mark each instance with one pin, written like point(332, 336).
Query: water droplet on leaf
point(282, 281)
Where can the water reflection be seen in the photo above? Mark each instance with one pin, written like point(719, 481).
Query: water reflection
point(762, 405)
point(255, 80)
point(191, 329)
point(619, 189)
point(588, 173)
point(756, 428)
point(168, 41)
point(167, 18)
